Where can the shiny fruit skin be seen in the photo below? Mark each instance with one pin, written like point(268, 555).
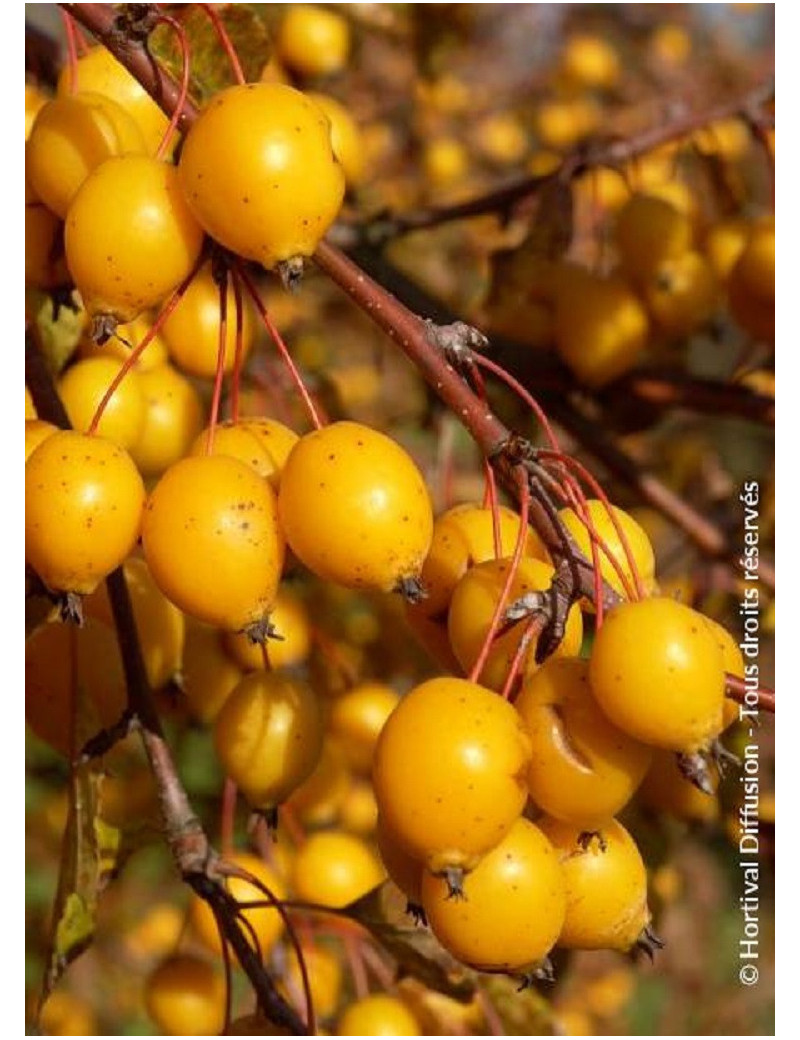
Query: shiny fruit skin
point(99, 71)
point(292, 625)
point(36, 431)
point(259, 173)
point(606, 885)
point(377, 1015)
point(45, 266)
point(732, 662)
point(462, 537)
point(472, 607)
point(121, 344)
point(209, 674)
point(345, 138)
point(53, 653)
point(355, 508)
point(638, 542)
point(335, 869)
point(600, 327)
point(405, 871)
point(449, 772)
point(649, 231)
point(211, 538)
point(238, 440)
point(82, 388)
point(681, 295)
point(265, 921)
point(667, 791)
point(83, 510)
point(185, 996)
point(657, 673)
point(514, 907)
point(357, 718)
point(130, 236)
point(583, 769)
point(313, 41)
point(191, 331)
point(71, 136)
point(268, 737)
point(173, 415)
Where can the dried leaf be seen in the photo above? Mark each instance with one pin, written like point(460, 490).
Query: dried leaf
point(247, 27)
point(382, 913)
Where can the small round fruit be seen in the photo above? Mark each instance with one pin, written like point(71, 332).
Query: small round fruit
point(65, 1014)
point(186, 996)
point(82, 388)
point(266, 922)
point(732, 662)
point(259, 173)
point(54, 654)
point(666, 790)
point(159, 625)
point(470, 756)
point(514, 907)
point(268, 737)
point(173, 415)
point(71, 136)
point(648, 232)
point(355, 507)
point(45, 266)
point(130, 236)
point(345, 138)
point(99, 71)
point(124, 340)
point(378, 1015)
point(462, 537)
point(317, 801)
point(313, 41)
point(209, 675)
point(590, 61)
point(606, 884)
point(657, 672)
point(601, 523)
point(324, 977)
point(191, 332)
point(681, 295)
point(211, 538)
point(292, 645)
point(473, 605)
point(583, 768)
point(83, 510)
point(600, 327)
point(36, 431)
point(357, 718)
point(335, 869)
point(238, 440)
point(405, 871)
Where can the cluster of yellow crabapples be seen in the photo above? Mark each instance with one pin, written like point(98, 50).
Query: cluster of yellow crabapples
point(496, 819)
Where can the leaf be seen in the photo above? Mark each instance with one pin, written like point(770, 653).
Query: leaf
point(87, 851)
point(382, 913)
point(247, 27)
point(59, 327)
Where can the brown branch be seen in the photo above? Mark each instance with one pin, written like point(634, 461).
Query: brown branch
point(611, 152)
point(737, 690)
point(674, 389)
point(191, 850)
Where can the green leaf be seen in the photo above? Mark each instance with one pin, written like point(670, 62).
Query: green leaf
point(246, 25)
point(382, 913)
